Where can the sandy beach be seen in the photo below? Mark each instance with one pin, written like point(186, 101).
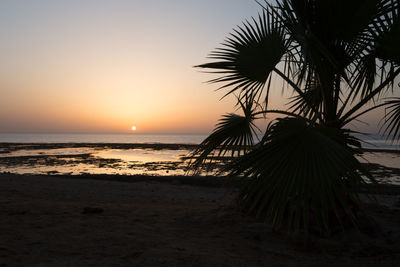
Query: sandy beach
point(200, 133)
point(60, 221)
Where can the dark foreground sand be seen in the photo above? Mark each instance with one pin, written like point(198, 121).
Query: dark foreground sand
point(157, 223)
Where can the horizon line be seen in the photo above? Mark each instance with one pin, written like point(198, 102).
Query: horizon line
point(132, 133)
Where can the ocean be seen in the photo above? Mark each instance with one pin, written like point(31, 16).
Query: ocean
point(369, 141)
point(76, 154)
point(131, 138)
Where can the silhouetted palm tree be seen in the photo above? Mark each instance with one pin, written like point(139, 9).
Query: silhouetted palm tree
point(338, 57)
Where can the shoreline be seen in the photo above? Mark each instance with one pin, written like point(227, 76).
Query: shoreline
point(155, 146)
point(83, 159)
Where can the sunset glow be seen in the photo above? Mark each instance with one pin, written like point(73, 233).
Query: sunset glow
point(114, 62)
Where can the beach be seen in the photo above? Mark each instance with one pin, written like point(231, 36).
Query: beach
point(114, 151)
point(110, 204)
point(92, 220)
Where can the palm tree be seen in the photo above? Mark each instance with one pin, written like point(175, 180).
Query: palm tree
point(337, 57)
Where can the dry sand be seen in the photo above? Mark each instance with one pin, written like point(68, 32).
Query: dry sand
point(153, 223)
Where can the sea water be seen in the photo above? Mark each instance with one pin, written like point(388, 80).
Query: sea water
point(122, 138)
point(138, 161)
point(369, 141)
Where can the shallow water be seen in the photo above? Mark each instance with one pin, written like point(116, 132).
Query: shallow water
point(369, 140)
point(49, 152)
point(125, 138)
point(91, 160)
point(142, 155)
point(99, 159)
point(391, 160)
point(386, 166)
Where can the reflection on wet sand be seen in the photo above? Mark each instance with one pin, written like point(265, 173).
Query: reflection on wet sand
point(133, 159)
point(76, 159)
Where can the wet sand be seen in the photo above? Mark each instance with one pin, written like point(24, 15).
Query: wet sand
point(93, 158)
point(149, 221)
point(148, 159)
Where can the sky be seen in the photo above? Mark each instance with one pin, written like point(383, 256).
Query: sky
point(104, 66)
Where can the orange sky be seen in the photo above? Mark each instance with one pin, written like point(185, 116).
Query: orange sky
point(103, 66)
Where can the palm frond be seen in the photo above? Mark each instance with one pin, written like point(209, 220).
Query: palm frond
point(364, 74)
point(308, 102)
point(249, 55)
point(386, 33)
point(392, 119)
point(233, 134)
point(377, 49)
point(302, 176)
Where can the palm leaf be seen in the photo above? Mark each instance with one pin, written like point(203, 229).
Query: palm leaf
point(377, 45)
point(392, 119)
point(301, 104)
point(249, 55)
point(386, 32)
point(234, 133)
point(303, 177)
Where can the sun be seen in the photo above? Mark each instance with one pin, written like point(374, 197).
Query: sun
point(133, 128)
